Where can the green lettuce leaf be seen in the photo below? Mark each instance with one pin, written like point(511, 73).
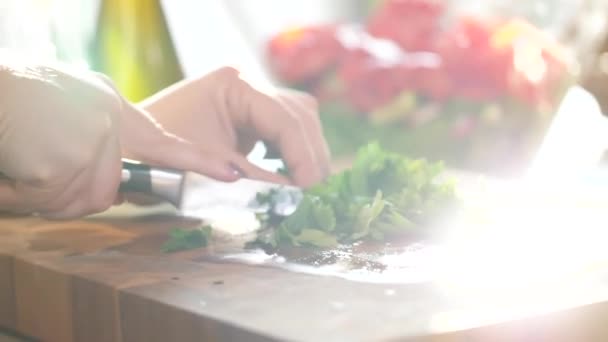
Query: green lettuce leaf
point(382, 194)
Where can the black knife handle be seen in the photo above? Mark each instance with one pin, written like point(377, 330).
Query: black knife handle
point(163, 183)
point(136, 177)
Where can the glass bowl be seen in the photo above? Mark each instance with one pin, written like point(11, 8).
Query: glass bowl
point(475, 84)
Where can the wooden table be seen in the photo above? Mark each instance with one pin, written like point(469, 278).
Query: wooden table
point(105, 279)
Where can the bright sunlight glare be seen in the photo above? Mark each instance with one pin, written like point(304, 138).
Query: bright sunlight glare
point(537, 244)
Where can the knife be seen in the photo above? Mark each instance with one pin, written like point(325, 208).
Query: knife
point(195, 194)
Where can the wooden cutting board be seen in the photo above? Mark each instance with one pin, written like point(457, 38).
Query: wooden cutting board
point(105, 279)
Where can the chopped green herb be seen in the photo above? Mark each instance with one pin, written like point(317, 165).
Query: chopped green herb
point(266, 198)
point(383, 194)
point(181, 239)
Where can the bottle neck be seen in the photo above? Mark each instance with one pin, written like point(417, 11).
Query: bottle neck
point(133, 46)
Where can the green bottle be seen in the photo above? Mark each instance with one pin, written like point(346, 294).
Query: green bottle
point(133, 46)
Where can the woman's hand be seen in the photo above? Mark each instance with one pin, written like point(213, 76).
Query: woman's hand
point(63, 133)
point(225, 115)
point(59, 142)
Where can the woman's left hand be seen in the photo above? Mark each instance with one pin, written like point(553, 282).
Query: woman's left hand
point(225, 115)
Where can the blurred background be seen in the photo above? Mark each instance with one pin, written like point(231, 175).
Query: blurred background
point(473, 83)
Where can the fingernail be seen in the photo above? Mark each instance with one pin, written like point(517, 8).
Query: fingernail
point(236, 171)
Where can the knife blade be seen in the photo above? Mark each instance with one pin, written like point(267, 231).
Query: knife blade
point(197, 195)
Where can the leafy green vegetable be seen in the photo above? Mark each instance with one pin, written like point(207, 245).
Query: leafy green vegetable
point(315, 237)
point(181, 239)
point(384, 193)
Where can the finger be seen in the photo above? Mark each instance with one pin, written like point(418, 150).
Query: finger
point(153, 145)
point(299, 151)
point(58, 200)
point(94, 187)
point(29, 199)
point(72, 203)
point(78, 207)
point(24, 198)
point(106, 176)
point(252, 171)
point(307, 110)
point(310, 103)
point(75, 209)
point(176, 153)
point(299, 156)
point(281, 127)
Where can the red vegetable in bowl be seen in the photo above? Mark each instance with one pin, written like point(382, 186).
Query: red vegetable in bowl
point(478, 69)
point(406, 48)
point(412, 24)
point(302, 54)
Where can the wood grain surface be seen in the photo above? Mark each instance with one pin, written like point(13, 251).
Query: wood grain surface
point(106, 279)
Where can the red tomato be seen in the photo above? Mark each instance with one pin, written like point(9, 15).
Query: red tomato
point(369, 83)
point(433, 82)
point(538, 64)
point(413, 24)
point(478, 70)
point(302, 54)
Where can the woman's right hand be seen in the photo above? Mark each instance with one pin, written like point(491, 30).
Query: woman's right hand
point(59, 141)
point(62, 135)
